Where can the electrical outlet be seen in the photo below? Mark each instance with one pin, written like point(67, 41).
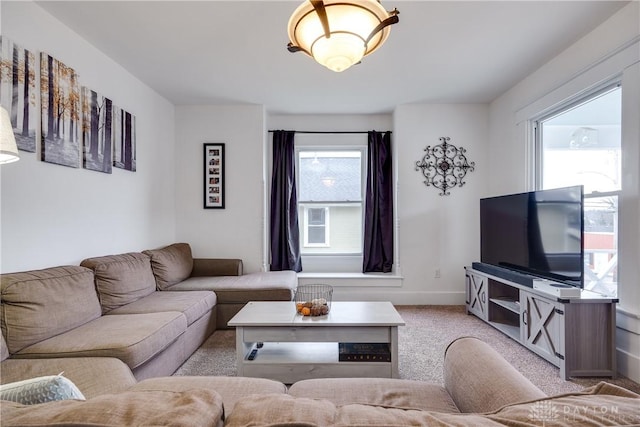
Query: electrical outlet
point(437, 273)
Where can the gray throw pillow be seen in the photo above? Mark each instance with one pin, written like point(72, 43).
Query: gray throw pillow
point(40, 390)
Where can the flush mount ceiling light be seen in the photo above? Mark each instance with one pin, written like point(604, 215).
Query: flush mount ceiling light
point(338, 34)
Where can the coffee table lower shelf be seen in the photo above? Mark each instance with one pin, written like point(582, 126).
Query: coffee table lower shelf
point(289, 362)
point(301, 347)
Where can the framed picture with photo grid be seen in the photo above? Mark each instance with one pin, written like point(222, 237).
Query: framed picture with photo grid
point(214, 176)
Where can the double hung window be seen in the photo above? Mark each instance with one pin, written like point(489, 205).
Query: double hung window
point(581, 144)
point(330, 201)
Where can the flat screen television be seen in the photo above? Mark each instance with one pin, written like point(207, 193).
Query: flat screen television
point(538, 233)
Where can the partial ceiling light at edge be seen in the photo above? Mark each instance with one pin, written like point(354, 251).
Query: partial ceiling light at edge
point(338, 34)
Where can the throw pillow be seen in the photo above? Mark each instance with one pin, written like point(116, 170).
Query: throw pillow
point(171, 264)
point(40, 390)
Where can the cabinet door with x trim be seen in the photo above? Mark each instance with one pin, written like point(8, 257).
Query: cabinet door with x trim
point(477, 288)
point(542, 322)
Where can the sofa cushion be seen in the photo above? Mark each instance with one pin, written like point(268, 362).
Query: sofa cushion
point(171, 264)
point(195, 407)
point(601, 405)
point(404, 394)
point(132, 338)
point(41, 390)
point(92, 375)
point(281, 410)
point(285, 410)
point(264, 286)
point(230, 388)
point(40, 304)
point(121, 279)
point(192, 304)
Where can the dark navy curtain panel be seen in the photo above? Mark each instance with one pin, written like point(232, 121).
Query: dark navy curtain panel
point(285, 235)
point(378, 217)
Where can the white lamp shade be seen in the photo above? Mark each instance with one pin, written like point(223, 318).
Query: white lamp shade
point(350, 24)
point(8, 147)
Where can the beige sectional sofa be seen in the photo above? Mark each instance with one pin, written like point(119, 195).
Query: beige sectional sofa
point(480, 388)
point(114, 322)
point(151, 310)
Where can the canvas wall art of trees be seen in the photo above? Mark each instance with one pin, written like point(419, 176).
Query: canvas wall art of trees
point(60, 105)
point(97, 131)
point(124, 130)
point(18, 92)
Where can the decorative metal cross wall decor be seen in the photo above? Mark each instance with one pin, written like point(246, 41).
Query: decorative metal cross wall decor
point(444, 166)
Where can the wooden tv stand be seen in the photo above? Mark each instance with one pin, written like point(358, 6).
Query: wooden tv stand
point(575, 334)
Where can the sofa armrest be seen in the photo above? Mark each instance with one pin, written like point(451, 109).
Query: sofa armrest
point(479, 379)
point(216, 267)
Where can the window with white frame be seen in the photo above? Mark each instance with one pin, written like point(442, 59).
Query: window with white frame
point(578, 144)
point(316, 230)
point(330, 200)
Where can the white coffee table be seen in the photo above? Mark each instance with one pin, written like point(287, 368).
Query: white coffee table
point(297, 347)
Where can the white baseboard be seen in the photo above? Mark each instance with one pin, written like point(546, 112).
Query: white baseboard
point(628, 344)
point(628, 365)
point(400, 298)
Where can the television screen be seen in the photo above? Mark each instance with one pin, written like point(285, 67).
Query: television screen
point(538, 233)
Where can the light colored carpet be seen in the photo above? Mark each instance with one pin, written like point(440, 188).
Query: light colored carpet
point(428, 331)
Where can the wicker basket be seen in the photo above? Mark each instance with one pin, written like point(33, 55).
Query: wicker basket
point(313, 300)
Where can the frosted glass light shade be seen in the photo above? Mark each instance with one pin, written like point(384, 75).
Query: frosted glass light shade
point(351, 26)
point(8, 147)
point(338, 52)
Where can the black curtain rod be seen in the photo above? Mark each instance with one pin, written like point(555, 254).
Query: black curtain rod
point(329, 131)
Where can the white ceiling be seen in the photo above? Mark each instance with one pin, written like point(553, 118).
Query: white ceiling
point(234, 52)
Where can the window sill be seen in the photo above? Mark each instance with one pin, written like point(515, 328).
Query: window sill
point(352, 279)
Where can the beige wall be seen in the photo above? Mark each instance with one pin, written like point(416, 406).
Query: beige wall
point(235, 231)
